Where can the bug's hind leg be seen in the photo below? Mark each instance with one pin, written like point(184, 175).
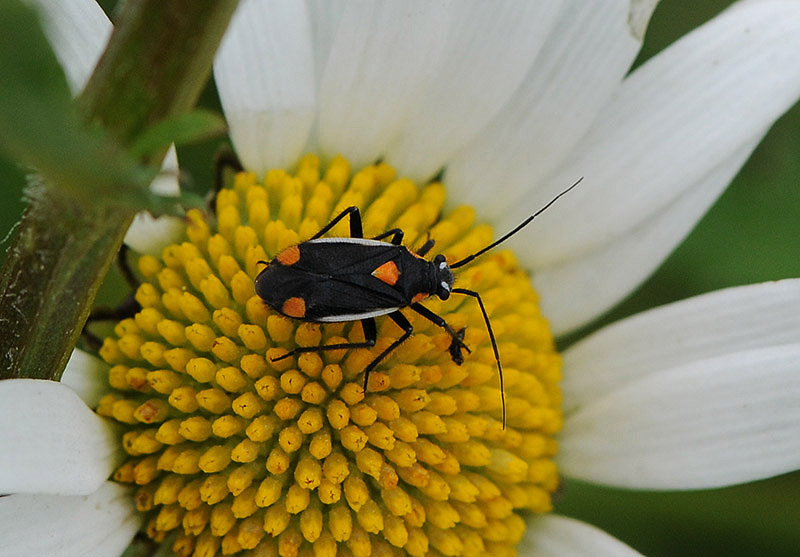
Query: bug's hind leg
point(457, 345)
point(127, 308)
point(404, 324)
point(370, 337)
point(356, 230)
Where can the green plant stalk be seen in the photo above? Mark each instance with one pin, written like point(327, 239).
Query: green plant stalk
point(155, 66)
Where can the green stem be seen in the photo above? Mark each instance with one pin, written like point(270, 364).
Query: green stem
point(157, 62)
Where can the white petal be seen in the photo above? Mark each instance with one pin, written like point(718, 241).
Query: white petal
point(488, 53)
point(52, 443)
point(149, 234)
point(265, 77)
point(720, 421)
point(78, 31)
point(382, 56)
point(578, 290)
point(325, 16)
point(86, 375)
point(639, 14)
point(559, 536)
point(99, 524)
point(583, 62)
point(166, 183)
point(692, 106)
point(730, 320)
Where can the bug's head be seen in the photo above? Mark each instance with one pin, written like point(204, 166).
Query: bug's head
point(444, 277)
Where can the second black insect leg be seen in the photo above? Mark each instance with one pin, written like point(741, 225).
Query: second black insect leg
point(395, 233)
point(370, 336)
point(356, 230)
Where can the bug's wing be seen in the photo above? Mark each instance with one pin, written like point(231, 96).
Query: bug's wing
point(343, 288)
point(344, 257)
point(327, 297)
point(351, 298)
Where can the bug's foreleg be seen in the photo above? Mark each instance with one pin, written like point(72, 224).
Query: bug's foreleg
point(426, 247)
point(458, 336)
point(370, 337)
point(404, 324)
point(356, 230)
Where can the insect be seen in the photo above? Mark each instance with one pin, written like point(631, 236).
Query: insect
point(332, 280)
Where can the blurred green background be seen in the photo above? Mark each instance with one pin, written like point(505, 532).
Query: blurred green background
point(750, 235)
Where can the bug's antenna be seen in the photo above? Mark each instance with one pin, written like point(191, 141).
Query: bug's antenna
point(517, 229)
point(494, 344)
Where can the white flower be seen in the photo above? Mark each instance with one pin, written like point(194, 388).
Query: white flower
point(701, 393)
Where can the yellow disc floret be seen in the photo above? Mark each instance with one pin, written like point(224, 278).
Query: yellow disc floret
point(233, 451)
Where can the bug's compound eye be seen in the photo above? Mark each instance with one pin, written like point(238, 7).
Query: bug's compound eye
point(444, 290)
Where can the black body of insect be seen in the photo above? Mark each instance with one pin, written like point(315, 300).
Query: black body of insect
point(331, 280)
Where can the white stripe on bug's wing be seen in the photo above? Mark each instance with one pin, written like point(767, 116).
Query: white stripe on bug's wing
point(359, 241)
point(354, 316)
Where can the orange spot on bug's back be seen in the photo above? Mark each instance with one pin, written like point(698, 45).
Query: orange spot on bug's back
point(294, 307)
point(419, 297)
point(289, 256)
point(388, 273)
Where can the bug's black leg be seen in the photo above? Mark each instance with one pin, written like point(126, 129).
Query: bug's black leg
point(127, 308)
point(225, 159)
point(355, 223)
point(404, 324)
point(458, 336)
point(92, 340)
point(125, 267)
point(426, 247)
point(494, 343)
point(396, 233)
point(370, 337)
point(456, 345)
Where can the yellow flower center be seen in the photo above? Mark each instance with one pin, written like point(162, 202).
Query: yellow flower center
point(234, 451)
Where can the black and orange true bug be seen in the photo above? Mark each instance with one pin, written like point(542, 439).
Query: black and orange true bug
point(331, 280)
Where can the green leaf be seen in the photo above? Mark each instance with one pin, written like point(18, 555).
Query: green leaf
point(40, 125)
point(182, 129)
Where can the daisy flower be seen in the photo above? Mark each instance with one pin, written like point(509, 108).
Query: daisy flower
point(435, 118)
